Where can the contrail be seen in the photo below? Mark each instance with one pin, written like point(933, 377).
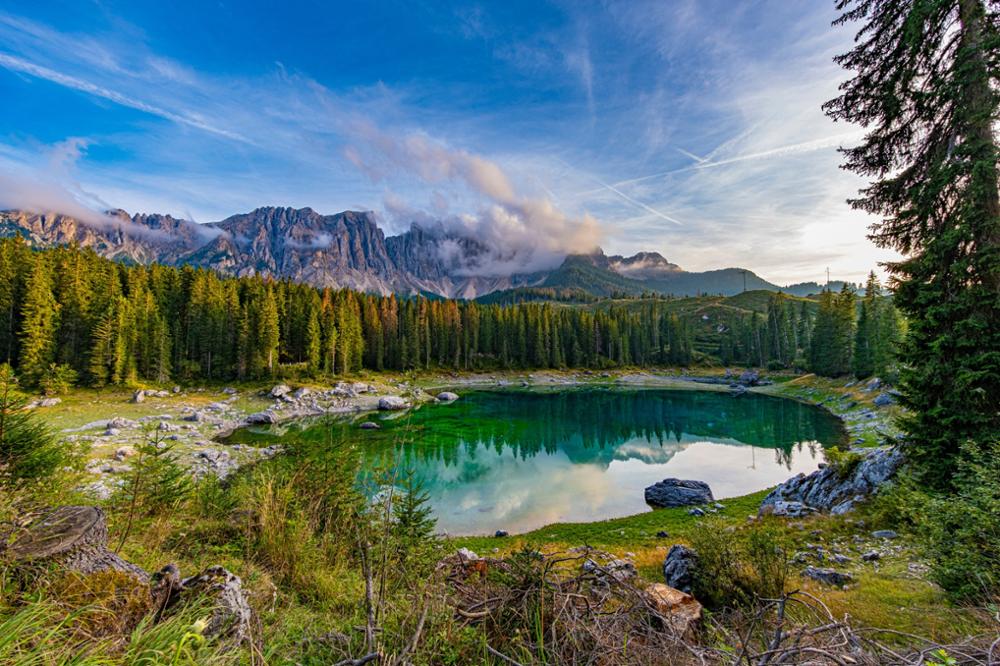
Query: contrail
point(626, 197)
point(18, 65)
point(699, 160)
point(804, 147)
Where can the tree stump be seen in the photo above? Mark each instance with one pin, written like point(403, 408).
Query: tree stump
point(72, 537)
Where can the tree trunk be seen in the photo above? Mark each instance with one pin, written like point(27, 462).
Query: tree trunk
point(73, 537)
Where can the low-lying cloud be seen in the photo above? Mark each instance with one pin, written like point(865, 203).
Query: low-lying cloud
point(518, 233)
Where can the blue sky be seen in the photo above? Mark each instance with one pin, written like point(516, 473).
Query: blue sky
point(689, 127)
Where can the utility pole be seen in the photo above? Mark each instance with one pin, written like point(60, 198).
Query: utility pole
point(827, 277)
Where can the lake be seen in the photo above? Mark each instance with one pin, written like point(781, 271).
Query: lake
point(520, 459)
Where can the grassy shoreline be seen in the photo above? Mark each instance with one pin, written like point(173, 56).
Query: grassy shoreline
point(891, 593)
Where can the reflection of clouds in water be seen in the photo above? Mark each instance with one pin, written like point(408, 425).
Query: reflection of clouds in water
point(516, 494)
point(485, 490)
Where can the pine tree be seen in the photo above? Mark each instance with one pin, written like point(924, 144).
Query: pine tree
point(924, 84)
point(28, 449)
point(866, 338)
point(268, 334)
point(39, 321)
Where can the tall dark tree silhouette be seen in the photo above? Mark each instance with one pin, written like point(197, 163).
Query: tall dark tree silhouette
point(925, 86)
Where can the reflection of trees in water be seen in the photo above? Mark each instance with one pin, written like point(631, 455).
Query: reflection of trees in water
point(588, 425)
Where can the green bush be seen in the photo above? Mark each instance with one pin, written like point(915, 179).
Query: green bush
point(738, 567)
point(963, 530)
point(28, 448)
point(843, 461)
point(58, 379)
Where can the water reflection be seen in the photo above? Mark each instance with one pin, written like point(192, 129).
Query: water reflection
point(517, 460)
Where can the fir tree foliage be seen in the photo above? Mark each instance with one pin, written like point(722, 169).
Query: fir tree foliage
point(926, 85)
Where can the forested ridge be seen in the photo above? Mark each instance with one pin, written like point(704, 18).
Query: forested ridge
point(70, 314)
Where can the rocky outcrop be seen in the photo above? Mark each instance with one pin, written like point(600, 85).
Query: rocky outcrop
point(678, 492)
point(679, 567)
point(831, 489)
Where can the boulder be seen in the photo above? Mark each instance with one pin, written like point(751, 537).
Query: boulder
point(679, 611)
point(301, 393)
point(49, 402)
point(828, 576)
point(447, 396)
point(873, 385)
point(370, 425)
point(749, 378)
point(679, 567)
point(884, 400)
point(885, 534)
point(74, 538)
point(139, 396)
point(826, 490)
point(123, 452)
point(678, 492)
point(279, 390)
point(262, 418)
point(391, 402)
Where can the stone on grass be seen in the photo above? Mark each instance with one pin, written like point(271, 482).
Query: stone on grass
point(679, 567)
point(885, 534)
point(279, 390)
point(828, 576)
point(884, 400)
point(678, 492)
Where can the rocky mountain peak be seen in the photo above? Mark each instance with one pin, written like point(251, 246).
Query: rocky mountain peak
point(643, 265)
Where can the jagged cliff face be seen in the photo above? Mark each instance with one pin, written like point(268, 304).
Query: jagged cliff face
point(343, 250)
point(349, 250)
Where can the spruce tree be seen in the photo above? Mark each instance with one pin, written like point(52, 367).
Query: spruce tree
point(39, 322)
point(925, 86)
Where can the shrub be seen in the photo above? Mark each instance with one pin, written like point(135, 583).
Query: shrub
point(28, 448)
point(843, 461)
point(58, 379)
point(737, 568)
point(963, 529)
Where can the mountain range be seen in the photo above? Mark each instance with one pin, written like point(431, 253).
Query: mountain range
point(350, 250)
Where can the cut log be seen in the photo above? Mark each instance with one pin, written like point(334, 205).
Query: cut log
point(73, 537)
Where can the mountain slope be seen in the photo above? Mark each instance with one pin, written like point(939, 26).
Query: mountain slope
point(350, 250)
